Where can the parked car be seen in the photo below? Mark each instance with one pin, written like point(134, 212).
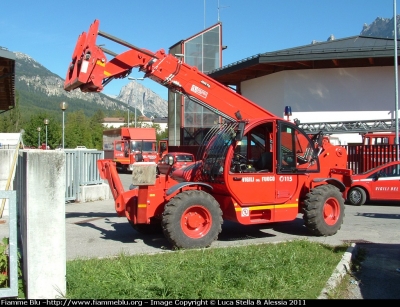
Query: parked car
point(380, 183)
point(175, 160)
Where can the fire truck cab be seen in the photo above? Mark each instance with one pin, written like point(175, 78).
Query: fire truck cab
point(380, 138)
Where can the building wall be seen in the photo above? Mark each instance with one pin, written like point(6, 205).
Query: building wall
point(139, 124)
point(113, 125)
point(342, 94)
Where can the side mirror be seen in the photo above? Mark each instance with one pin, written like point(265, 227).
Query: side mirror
point(170, 160)
point(377, 175)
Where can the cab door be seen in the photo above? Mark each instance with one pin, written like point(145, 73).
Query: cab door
point(296, 157)
point(250, 182)
point(119, 154)
point(286, 175)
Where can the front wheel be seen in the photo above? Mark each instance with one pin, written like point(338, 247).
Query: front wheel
point(324, 210)
point(192, 219)
point(357, 196)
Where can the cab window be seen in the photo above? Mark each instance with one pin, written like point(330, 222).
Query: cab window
point(253, 153)
point(296, 151)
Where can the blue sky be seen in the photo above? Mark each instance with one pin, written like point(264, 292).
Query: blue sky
point(47, 30)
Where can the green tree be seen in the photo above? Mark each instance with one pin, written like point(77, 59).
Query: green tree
point(162, 134)
point(96, 123)
point(33, 137)
point(10, 121)
point(78, 130)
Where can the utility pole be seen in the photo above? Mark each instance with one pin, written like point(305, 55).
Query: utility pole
point(131, 78)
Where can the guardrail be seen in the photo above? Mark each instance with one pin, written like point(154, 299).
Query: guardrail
point(81, 169)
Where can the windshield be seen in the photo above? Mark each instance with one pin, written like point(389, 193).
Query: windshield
point(143, 146)
point(184, 158)
point(216, 144)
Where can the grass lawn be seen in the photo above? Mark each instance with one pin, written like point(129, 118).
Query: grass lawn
point(288, 270)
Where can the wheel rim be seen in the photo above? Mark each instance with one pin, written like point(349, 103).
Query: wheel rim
point(355, 197)
point(196, 222)
point(331, 211)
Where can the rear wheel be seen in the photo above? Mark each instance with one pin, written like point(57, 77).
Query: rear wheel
point(324, 210)
point(192, 219)
point(357, 196)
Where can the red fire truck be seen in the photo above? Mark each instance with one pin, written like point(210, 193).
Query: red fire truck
point(377, 147)
point(123, 144)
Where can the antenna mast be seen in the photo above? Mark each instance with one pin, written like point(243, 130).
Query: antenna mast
point(218, 8)
point(204, 14)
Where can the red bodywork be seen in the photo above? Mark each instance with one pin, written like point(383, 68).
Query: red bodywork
point(175, 160)
point(380, 183)
point(255, 168)
point(123, 144)
point(379, 138)
point(377, 148)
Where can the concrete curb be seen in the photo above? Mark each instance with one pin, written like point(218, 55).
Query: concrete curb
point(341, 269)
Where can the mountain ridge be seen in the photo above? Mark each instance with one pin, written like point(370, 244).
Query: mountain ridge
point(381, 27)
point(33, 80)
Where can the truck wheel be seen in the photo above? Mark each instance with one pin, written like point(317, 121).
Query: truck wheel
point(148, 229)
point(357, 196)
point(192, 219)
point(324, 210)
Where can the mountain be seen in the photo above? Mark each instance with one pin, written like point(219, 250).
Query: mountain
point(42, 91)
point(143, 99)
point(382, 27)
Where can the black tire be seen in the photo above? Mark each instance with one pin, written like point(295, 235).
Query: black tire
point(324, 210)
point(192, 219)
point(357, 196)
point(148, 229)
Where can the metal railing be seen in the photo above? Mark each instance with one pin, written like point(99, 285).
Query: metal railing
point(81, 169)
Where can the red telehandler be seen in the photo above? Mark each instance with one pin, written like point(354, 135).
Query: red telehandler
point(252, 168)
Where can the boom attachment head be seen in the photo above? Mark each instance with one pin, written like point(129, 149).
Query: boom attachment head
point(86, 70)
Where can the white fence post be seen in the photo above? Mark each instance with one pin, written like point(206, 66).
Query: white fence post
point(41, 203)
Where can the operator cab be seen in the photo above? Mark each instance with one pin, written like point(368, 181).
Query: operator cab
point(280, 148)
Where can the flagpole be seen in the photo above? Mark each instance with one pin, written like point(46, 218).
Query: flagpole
point(128, 113)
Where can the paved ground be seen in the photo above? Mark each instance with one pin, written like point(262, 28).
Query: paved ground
point(94, 230)
point(379, 277)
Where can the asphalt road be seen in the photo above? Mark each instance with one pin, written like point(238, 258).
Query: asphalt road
point(94, 230)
